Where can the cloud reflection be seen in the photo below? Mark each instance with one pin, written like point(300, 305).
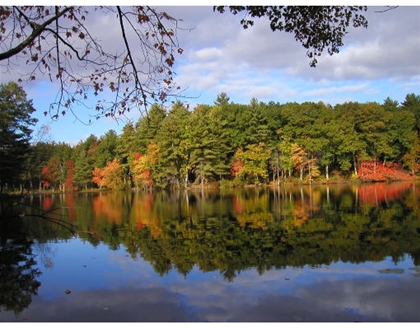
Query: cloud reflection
point(373, 298)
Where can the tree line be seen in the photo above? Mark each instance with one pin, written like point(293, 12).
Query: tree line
point(230, 144)
point(224, 144)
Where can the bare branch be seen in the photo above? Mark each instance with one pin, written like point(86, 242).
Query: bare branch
point(127, 46)
point(36, 31)
point(389, 8)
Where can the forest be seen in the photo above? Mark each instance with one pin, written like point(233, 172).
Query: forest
point(229, 144)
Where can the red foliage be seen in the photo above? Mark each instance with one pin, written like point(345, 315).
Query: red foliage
point(238, 205)
point(376, 193)
point(46, 176)
point(137, 156)
point(47, 203)
point(69, 199)
point(71, 170)
point(236, 167)
point(376, 171)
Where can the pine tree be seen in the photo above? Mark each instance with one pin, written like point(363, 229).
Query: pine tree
point(15, 132)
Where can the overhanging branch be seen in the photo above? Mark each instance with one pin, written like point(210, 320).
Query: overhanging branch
point(36, 31)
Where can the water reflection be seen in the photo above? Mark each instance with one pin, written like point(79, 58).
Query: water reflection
point(18, 275)
point(311, 253)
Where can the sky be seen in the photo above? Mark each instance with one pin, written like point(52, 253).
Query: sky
point(220, 56)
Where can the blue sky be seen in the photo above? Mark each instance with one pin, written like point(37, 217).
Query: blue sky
point(220, 56)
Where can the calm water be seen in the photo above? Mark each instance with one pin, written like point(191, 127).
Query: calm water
point(338, 253)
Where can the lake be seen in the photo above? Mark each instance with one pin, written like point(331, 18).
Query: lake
point(342, 253)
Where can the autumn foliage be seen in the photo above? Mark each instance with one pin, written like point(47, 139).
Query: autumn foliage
point(377, 193)
point(71, 170)
point(377, 171)
point(144, 164)
point(46, 176)
point(111, 176)
point(236, 168)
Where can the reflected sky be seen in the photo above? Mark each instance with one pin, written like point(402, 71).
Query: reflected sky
point(109, 285)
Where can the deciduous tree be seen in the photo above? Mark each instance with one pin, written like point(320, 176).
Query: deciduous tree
point(255, 162)
point(59, 42)
point(144, 166)
point(111, 176)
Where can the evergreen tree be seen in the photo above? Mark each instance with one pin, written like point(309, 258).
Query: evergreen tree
point(83, 174)
point(202, 154)
point(15, 132)
point(147, 127)
point(84, 155)
point(412, 103)
point(125, 149)
point(222, 99)
point(221, 145)
point(258, 127)
point(106, 150)
point(174, 148)
point(41, 152)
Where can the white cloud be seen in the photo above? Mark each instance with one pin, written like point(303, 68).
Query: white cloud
point(220, 56)
point(337, 89)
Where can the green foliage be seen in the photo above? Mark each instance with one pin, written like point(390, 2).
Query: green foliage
point(106, 150)
point(174, 147)
point(15, 132)
point(18, 274)
point(317, 28)
point(85, 155)
point(222, 99)
point(255, 160)
point(245, 144)
point(412, 104)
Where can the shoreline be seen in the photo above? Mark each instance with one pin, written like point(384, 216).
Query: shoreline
point(214, 186)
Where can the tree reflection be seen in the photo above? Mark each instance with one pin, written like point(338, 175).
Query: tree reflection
point(264, 229)
point(267, 230)
point(17, 275)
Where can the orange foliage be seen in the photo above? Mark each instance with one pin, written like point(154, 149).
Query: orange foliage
point(107, 207)
point(299, 156)
point(143, 165)
point(97, 176)
point(144, 214)
point(301, 212)
point(110, 176)
point(236, 167)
